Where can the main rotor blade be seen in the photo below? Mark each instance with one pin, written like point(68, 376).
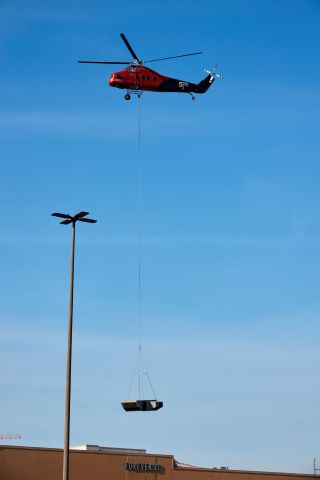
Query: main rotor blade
point(104, 63)
point(80, 215)
point(129, 47)
point(66, 222)
point(61, 215)
point(88, 220)
point(176, 56)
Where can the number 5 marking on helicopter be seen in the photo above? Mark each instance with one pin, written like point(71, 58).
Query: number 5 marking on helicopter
point(183, 85)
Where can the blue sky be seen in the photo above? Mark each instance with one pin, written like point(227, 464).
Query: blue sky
point(230, 213)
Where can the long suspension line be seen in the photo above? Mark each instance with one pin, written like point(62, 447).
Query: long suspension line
point(139, 215)
point(140, 404)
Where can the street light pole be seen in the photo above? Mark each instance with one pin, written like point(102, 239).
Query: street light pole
point(68, 366)
point(69, 219)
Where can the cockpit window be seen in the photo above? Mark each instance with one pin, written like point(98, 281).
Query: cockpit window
point(119, 77)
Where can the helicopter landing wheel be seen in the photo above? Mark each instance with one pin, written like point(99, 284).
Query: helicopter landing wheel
point(127, 96)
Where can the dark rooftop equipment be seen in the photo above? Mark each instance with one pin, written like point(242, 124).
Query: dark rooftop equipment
point(141, 405)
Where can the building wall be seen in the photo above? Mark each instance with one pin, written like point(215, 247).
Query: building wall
point(26, 463)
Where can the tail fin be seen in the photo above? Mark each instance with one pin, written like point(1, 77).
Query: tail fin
point(206, 83)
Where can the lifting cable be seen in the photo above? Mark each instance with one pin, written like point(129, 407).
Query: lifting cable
point(139, 220)
point(141, 370)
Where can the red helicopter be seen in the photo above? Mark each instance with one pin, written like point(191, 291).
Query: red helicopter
point(136, 78)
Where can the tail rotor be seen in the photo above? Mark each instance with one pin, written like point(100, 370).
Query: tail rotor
point(214, 73)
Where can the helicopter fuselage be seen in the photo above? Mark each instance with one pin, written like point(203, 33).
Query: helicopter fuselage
point(144, 79)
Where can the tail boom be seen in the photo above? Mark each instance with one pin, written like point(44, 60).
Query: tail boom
point(205, 84)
